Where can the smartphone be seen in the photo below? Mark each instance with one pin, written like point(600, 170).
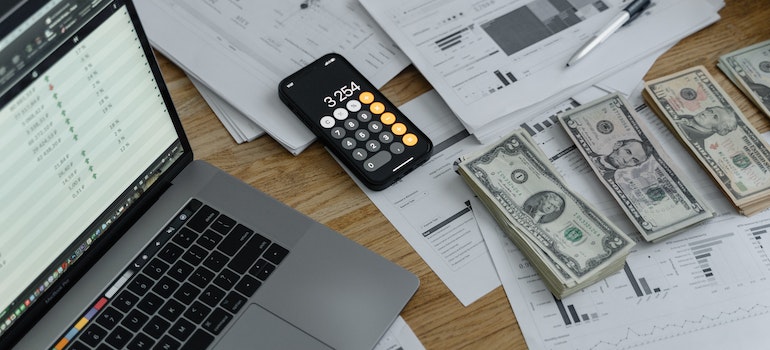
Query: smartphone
point(353, 119)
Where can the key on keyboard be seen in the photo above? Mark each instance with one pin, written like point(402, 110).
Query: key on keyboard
point(195, 276)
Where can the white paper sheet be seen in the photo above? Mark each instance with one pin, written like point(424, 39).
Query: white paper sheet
point(506, 59)
point(241, 128)
point(432, 209)
point(434, 196)
point(435, 211)
point(399, 337)
point(705, 287)
point(242, 49)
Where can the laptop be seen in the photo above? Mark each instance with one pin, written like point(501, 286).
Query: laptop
point(114, 237)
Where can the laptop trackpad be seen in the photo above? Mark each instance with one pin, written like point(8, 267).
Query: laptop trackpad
point(259, 329)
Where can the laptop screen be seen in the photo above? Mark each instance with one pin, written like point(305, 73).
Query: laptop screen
point(85, 131)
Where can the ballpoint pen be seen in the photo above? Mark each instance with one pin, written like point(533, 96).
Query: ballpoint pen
point(633, 10)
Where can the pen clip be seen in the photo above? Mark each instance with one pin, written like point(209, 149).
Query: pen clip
point(633, 17)
point(635, 9)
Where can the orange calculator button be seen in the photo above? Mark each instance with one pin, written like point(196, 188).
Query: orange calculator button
point(398, 129)
point(410, 139)
point(377, 108)
point(387, 118)
point(366, 97)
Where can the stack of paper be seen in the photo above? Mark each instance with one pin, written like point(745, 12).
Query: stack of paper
point(241, 50)
point(499, 63)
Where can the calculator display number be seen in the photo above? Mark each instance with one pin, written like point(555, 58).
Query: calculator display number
point(342, 94)
point(355, 121)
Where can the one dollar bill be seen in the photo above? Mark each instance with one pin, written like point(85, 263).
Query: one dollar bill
point(749, 69)
point(632, 165)
point(570, 243)
point(719, 136)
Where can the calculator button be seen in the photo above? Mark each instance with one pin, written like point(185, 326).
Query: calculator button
point(378, 160)
point(338, 132)
point(387, 118)
point(372, 146)
point(377, 108)
point(353, 106)
point(364, 116)
point(348, 143)
point(351, 124)
point(366, 97)
point(397, 148)
point(398, 129)
point(375, 127)
point(386, 137)
point(362, 135)
point(327, 122)
point(359, 154)
point(341, 113)
point(409, 139)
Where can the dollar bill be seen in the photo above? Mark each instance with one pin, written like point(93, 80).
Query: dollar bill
point(570, 243)
point(712, 127)
point(633, 167)
point(749, 69)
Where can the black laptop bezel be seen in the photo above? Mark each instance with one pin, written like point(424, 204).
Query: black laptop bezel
point(54, 293)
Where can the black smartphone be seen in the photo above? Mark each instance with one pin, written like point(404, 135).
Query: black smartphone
point(363, 129)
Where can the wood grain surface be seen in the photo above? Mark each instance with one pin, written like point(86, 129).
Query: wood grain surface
point(314, 183)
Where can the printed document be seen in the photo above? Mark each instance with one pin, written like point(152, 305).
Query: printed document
point(242, 49)
point(399, 337)
point(705, 286)
point(241, 128)
point(436, 212)
point(433, 208)
point(494, 59)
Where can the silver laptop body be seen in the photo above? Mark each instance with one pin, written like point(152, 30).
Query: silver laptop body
point(100, 192)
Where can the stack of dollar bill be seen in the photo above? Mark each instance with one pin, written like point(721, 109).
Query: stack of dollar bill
point(631, 164)
point(749, 69)
point(569, 243)
point(716, 133)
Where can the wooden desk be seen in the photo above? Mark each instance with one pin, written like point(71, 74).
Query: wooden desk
point(314, 184)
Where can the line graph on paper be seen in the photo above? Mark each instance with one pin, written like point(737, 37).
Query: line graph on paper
point(706, 287)
point(634, 338)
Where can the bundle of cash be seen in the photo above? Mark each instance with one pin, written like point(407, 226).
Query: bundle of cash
point(569, 243)
point(654, 194)
point(749, 69)
point(716, 133)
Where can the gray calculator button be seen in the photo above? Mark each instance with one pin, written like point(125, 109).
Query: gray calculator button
point(338, 132)
point(373, 146)
point(397, 148)
point(359, 154)
point(375, 126)
point(364, 116)
point(377, 160)
point(327, 122)
point(353, 106)
point(351, 124)
point(362, 135)
point(348, 143)
point(341, 113)
point(386, 137)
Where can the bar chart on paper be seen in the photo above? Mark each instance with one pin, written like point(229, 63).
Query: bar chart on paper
point(482, 47)
point(641, 286)
point(706, 285)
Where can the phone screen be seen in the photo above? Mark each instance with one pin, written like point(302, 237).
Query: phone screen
point(363, 128)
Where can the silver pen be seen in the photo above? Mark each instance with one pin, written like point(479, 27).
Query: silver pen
point(629, 13)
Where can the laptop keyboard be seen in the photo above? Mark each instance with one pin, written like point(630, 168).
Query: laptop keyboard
point(184, 288)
